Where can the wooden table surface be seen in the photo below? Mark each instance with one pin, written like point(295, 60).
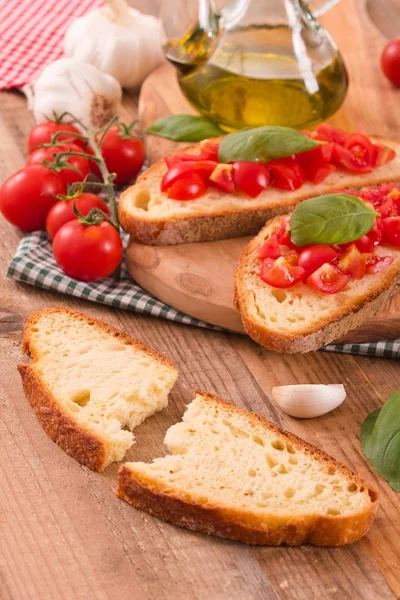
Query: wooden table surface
point(64, 534)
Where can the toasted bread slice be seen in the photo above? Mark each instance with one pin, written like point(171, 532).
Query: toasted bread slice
point(235, 475)
point(150, 217)
point(90, 385)
point(301, 319)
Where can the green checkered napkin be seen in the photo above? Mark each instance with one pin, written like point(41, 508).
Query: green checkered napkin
point(33, 263)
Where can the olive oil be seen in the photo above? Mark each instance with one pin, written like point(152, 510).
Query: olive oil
point(256, 76)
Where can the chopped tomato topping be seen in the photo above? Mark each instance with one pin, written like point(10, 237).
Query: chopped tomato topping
point(391, 230)
point(315, 163)
point(383, 154)
point(189, 187)
point(280, 273)
point(251, 177)
point(270, 249)
point(377, 263)
point(353, 263)
point(328, 279)
point(287, 173)
point(222, 177)
point(184, 168)
point(313, 257)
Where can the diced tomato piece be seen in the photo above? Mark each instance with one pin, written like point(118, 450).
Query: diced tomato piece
point(375, 234)
point(362, 148)
point(364, 244)
point(270, 249)
point(377, 263)
point(391, 230)
point(313, 257)
point(287, 173)
point(327, 133)
point(188, 187)
point(347, 159)
point(328, 279)
point(383, 154)
point(281, 273)
point(387, 209)
point(210, 149)
point(353, 263)
point(376, 194)
point(394, 195)
point(315, 163)
point(222, 177)
point(202, 167)
point(251, 177)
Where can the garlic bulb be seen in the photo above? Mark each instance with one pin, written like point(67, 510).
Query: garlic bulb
point(117, 40)
point(70, 85)
point(306, 401)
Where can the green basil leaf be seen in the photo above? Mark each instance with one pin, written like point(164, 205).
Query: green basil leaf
point(330, 219)
point(263, 144)
point(184, 128)
point(380, 440)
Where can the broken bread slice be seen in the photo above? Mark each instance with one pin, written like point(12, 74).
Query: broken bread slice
point(90, 385)
point(235, 475)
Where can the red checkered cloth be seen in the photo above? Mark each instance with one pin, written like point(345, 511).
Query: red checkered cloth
point(31, 35)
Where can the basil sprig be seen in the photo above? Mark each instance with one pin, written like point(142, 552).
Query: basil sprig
point(263, 144)
point(380, 440)
point(184, 128)
point(330, 219)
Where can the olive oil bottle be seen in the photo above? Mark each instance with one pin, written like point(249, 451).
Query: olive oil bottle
point(260, 75)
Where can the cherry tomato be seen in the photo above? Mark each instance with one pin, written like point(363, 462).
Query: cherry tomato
point(328, 279)
point(391, 230)
point(208, 151)
point(364, 244)
point(313, 257)
point(383, 154)
point(353, 263)
point(327, 133)
point(87, 252)
point(185, 168)
point(251, 177)
point(69, 176)
point(280, 273)
point(377, 263)
point(363, 153)
point(63, 211)
point(375, 234)
point(387, 208)
point(390, 61)
point(270, 249)
point(43, 133)
point(286, 173)
point(315, 163)
point(187, 188)
point(222, 177)
point(123, 156)
point(27, 196)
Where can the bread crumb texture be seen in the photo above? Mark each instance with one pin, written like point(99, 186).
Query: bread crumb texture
point(105, 381)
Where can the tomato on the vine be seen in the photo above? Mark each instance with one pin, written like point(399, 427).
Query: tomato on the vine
point(123, 153)
point(80, 164)
point(27, 196)
point(42, 133)
point(87, 252)
point(63, 210)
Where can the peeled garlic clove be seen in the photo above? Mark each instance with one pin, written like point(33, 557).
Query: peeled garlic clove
point(307, 401)
point(68, 85)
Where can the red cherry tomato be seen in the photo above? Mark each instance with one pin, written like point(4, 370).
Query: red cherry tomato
point(315, 163)
point(391, 230)
point(377, 263)
point(208, 151)
point(186, 168)
point(353, 263)
point(123, 156)
point(286, 173)
point(387, 209)
point(313, 257)
point(251, 177)
point(43, 133)
point(327, 133)
point(364, 244)
point(63, 211)
point(363, 153)
point(280, 273)
point(375, 234)
point(222, 177)
point(27, 196)
point(69, 176)
point(187, 188)
point(270, 249)
point(383, 154)
point(390, 61)
point(87, 252)
point(328, 279)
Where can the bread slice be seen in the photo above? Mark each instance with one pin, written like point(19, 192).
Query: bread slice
point(235, 475)
point(150, 217)
point(90, 385)
point(301, 319)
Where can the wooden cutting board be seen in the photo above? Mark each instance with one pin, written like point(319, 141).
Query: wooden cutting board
point(198, 278)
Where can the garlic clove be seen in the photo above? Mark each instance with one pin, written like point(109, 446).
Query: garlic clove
point(307, 401)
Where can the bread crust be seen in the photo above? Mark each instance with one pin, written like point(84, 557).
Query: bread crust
point(343, 320)
point(84, 446)
point(326, 530)
point(230, 222)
